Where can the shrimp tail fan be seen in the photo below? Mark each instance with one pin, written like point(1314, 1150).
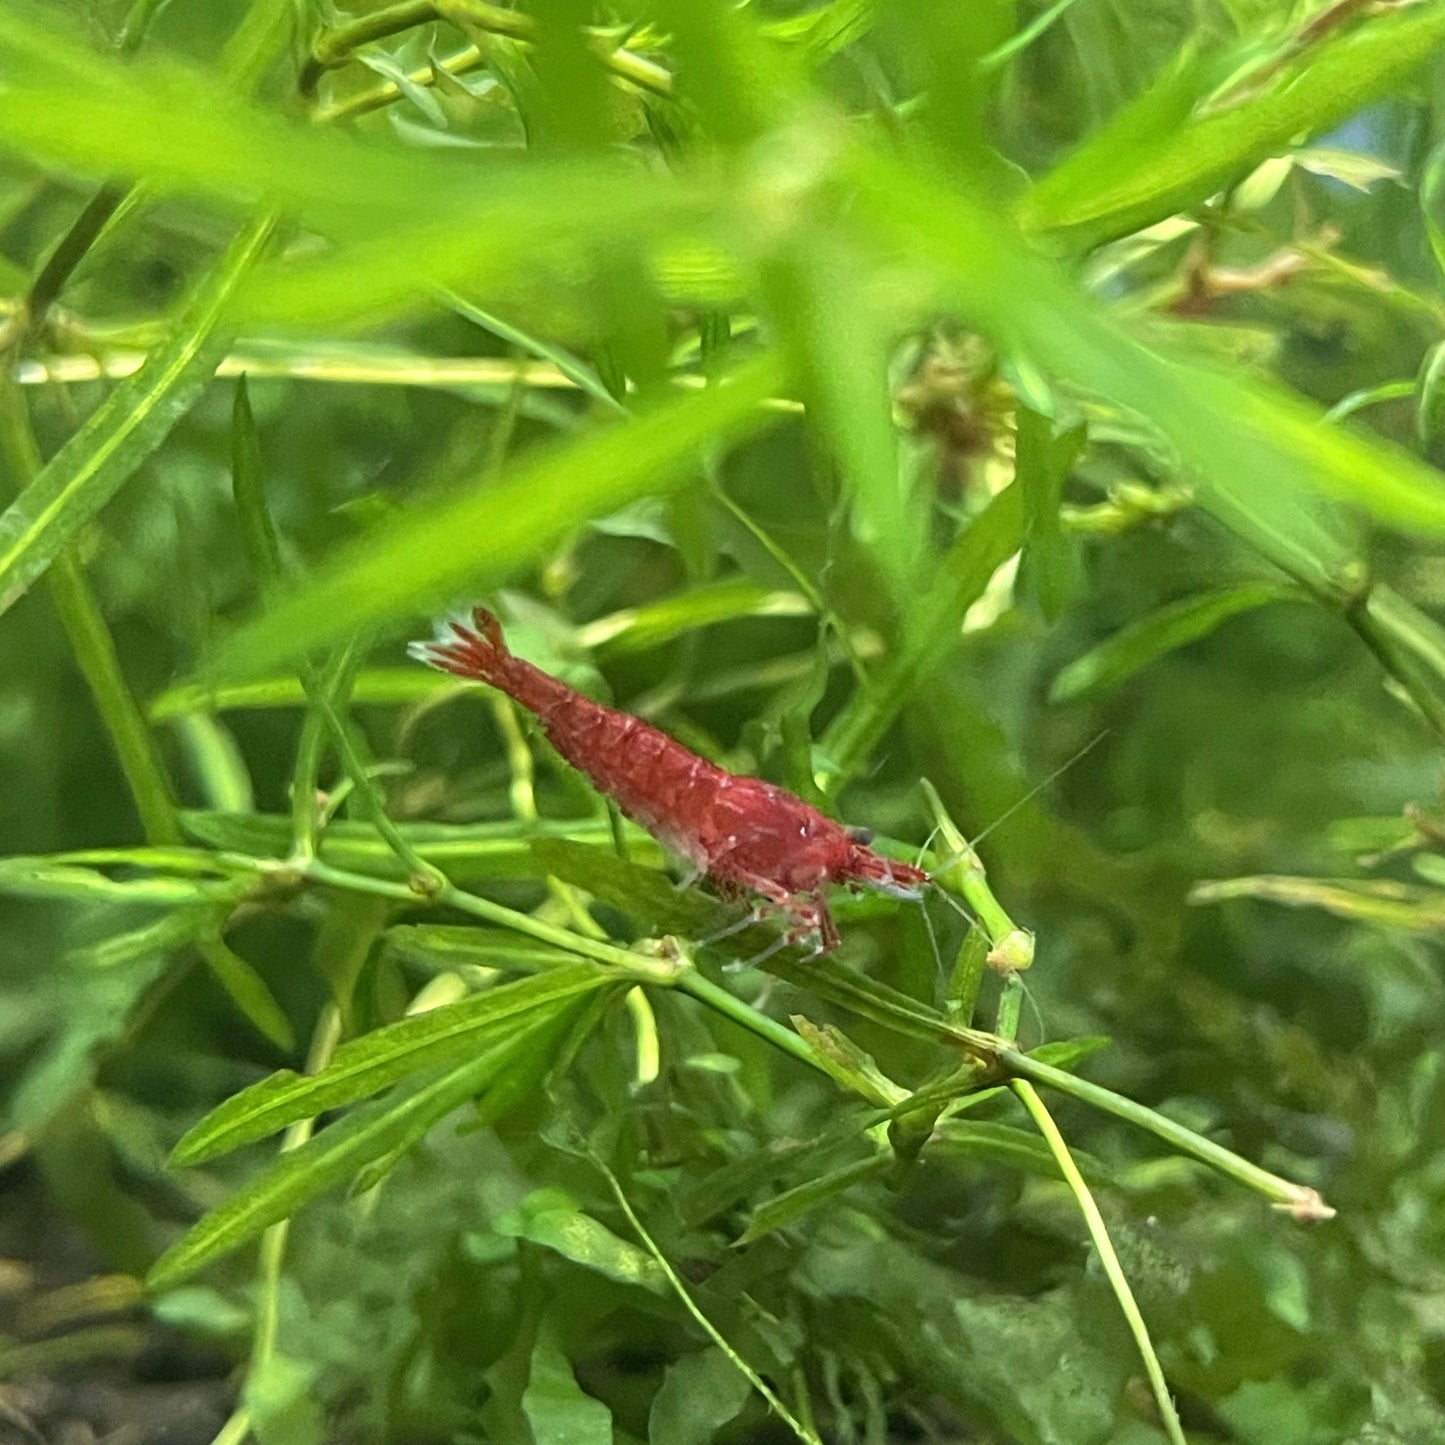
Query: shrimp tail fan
point(478, 651)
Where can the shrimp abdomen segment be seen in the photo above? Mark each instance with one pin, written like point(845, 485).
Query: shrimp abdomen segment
point(656, 781)
point(747, 834)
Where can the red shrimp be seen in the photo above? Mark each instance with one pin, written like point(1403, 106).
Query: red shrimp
point(747, 835)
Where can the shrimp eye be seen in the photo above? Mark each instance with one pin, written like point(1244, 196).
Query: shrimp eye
point(861, 835)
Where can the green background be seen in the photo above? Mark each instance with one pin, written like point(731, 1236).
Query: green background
point(734, 355)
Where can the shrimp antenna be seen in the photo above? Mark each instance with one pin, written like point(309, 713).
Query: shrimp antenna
point(932, 938)
point(1038, 787)
point(926, 844)
point(1036, 1011)
point(954, 904)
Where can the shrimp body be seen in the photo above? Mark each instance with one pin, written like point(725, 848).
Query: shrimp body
point(746, 834)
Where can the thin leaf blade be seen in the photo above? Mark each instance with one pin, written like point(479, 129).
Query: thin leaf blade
point(133, 421)
point(472, 540)
point(381, 1058)
point(1149, 638)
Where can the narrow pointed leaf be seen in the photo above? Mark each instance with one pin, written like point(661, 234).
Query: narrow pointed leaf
point(468, 542)
point(381, 1058)
point(465, 850)
point(1379, 901)
point(572, 1233)
point(335, 1154)
point(47, 878)
point(990, 540)
point(1161, 632)
point(1127, 175)
point(790, 1206)
point(127, 427)
point(1044, 459)
point(245, 987)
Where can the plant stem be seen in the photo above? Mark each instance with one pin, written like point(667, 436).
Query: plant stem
point(706, 1325)
point(313, 870)
point(717, 998)
point(273, 1243)
point(68, 254)
point(1010, 1005)
point(1099, 1233)
point(324, 1040)
point(1409, 645)
point(962, 870)
point(682, 976)
point(93, 646)
point(335, 46)
point(459, 62)
point(1299, 1200)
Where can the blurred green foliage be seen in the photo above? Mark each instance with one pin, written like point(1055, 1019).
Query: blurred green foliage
point(1040, 400)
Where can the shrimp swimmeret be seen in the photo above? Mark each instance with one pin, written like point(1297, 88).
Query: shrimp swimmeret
point(745, 834)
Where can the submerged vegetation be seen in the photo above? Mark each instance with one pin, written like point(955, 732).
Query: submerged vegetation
point(1010, 427)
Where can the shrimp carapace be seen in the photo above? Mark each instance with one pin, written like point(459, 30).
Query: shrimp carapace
point(747, 835)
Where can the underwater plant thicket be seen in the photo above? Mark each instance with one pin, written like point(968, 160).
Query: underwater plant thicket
point(1012, 427)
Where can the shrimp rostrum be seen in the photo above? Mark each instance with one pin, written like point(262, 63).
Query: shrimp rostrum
point(747, 835)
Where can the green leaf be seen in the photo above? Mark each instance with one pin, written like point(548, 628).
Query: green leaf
point(1161, 632)
point(1020, 41)
point(247, 990)
point(515, 234)
point(818, 290)
point(742, 1178)
point(640, 628)
point(1044, 460)
point(127, 427)
point(560, 1226)
point(92, 1000)
point(249, 488)
point(163, 859)
point(403, 216)
point(1267, 465)
point(383, 1057)
point(46, 878)
point(556, 1407)
point(281, 1396)
point(1010, 1148)
point(867, 997)
point(853, 1068)
point(644, 893)
point(1070, 1402)
point(1409, 642)
point(1378, 901)
point(1432, 204)
point(471, 541)
point(576, 370)
point(89, 112)
point(335, 1154)
point(444, 947)
point(216, 762)
point(386, 686)
point(1149, 163)
point(1351, 168)
point(826, 30)
point(1068, 1053)
point(466, 851)
point(790, 1206)
point(989, 540)
point(699, 1394)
